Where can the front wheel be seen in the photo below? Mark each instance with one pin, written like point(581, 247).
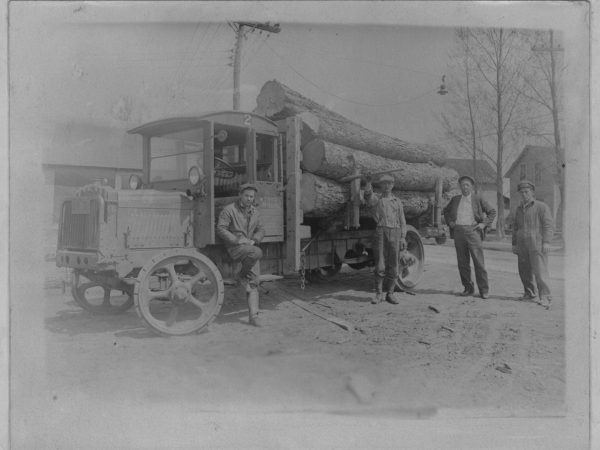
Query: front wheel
point(411, 262)
point(179, 291)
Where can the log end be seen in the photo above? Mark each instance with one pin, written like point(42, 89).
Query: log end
point(271, 99)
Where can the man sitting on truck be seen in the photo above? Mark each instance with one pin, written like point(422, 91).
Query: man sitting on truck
point(240, 228)
point(389, 239)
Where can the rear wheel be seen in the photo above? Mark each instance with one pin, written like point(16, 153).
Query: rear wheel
point(412, 261)
point(179, 291)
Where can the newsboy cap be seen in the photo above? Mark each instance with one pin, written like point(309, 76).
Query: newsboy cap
point(525, 184)
point(466, 177)
point(246, 186)
point(386, 179)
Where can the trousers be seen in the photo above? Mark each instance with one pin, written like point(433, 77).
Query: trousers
point(533, 269)
point(247, 255)
point(386, 249)
point(467, 242)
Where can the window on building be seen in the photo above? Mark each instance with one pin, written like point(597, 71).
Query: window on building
point(538, 173)
point(523, 171)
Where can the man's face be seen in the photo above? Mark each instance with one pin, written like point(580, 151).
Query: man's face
point(466, 187)
point(387, 186)
point(247, 197)
point(526, 194)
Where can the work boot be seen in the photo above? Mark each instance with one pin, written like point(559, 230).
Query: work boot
point(378, 292)
point(391, 298)
point(527, 296)
point(253, 302)
point(545, 301)
point(377, 299)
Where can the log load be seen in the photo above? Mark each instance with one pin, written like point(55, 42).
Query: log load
point(277, 101)
point(337, 161)
point(322, 197)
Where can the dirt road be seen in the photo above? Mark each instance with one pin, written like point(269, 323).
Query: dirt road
point(434, 355)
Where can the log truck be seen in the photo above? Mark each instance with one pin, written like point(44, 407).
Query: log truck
point(152, 245)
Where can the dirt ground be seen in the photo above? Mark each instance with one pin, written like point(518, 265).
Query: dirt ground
point(434, 355)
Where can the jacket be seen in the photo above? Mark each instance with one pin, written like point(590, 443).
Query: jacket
point(533, 225)
point(235, 223)
point(387, 211)
point(482, 211)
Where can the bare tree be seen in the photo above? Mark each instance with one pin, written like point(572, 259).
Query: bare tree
point(491, 108)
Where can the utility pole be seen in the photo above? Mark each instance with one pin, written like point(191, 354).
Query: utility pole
point(275, 28)
point(560, 158)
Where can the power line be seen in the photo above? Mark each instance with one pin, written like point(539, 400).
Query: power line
point(335, 55)
point(346, 99)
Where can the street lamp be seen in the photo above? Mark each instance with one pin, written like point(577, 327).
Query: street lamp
point(443, 90)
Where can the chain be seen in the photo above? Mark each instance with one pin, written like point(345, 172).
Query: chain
point(302, 272)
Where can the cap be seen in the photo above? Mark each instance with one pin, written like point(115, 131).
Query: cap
point(386, 178)
point(466, 177)
point(525, 183)
point(246, 186)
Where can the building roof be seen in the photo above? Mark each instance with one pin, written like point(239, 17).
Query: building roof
point(525, 151)
point(87, 144)
point(464, 166)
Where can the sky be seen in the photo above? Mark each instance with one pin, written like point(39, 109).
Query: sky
point(88, 74)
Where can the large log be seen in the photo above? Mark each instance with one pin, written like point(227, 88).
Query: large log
point(277, 101)
point(337, 161)
point(322, 197)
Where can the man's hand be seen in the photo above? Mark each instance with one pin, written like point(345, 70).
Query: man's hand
point(545, 247)
point(402, 244)
point(481, 226)
point(515, 250)
point(451, 224)
point(245, 240)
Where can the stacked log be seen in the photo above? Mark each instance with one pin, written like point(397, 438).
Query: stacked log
point(277, 101)
point(322, 197)
point(334, 147)
point(337, 161)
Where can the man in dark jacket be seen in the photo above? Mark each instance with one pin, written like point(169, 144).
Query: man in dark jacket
point(240, 228)
point(468, 216)
point(532, 231)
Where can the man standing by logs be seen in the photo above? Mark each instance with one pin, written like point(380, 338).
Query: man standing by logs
point(389, 239)
point(239, 226)
point(532, 232)
point(468, 215)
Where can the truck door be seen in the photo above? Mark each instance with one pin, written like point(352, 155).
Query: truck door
point(266, 168)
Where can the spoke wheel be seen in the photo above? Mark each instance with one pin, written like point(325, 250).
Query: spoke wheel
point(99, 298)
point(411, 263)
point(178, 292)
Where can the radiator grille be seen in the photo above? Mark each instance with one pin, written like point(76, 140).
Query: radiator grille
point(79, 224)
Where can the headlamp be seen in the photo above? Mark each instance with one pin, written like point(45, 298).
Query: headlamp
point(194, 175)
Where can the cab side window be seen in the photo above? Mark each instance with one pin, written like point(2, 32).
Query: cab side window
point(266, 161)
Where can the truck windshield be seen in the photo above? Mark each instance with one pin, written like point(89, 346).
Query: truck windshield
point(172, 155)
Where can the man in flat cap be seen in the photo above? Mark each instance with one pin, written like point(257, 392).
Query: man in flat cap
point(389, 239)
point(241, 230)
point(468, 215)
point(532, 232)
